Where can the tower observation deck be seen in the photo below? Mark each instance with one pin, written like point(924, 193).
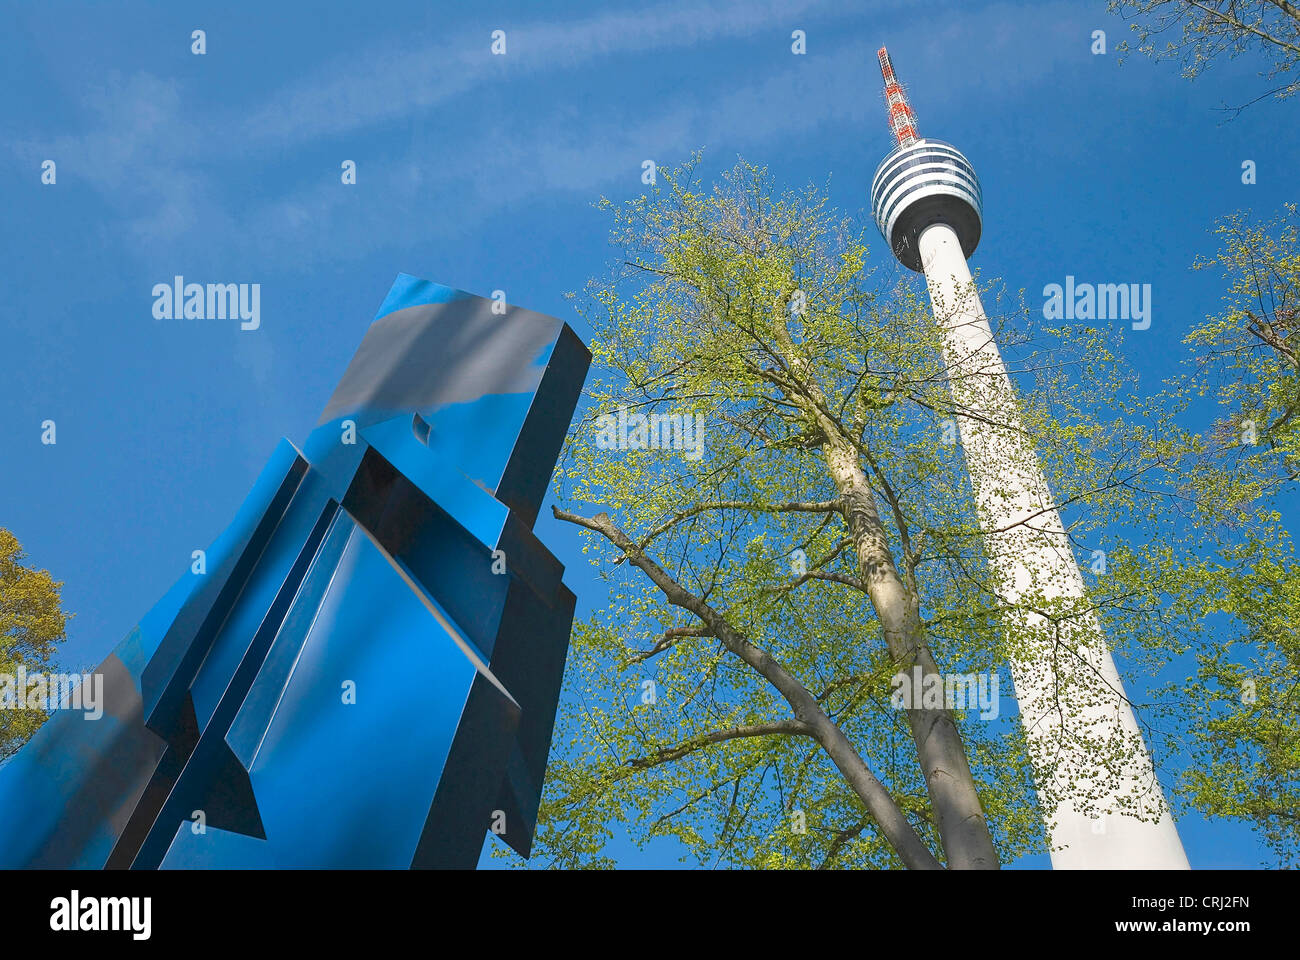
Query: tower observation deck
point(921, 182)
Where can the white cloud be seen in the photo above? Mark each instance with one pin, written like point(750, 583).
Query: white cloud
point(392, 80)
point(161, 168)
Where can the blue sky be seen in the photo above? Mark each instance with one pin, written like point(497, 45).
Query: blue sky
point(479, 172)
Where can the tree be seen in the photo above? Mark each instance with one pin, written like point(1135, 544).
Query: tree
point(1239, 724)
point(769, 587)
point(1250, 352)
point(1242, 703)
point(1244, 730)
point(1196, 32)
point(32, 623)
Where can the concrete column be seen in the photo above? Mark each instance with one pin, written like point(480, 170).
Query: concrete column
point(1056, 662)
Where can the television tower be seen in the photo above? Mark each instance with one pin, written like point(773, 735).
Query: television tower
point(1097, 784)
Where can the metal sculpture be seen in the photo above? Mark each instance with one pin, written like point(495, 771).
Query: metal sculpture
point(364, 670)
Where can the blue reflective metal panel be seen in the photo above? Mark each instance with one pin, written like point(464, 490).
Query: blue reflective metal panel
point(348, 684)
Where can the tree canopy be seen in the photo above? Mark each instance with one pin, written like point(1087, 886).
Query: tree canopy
point(1241, 706)
point(1198, 32)
point(32, 624)
point(735, 693)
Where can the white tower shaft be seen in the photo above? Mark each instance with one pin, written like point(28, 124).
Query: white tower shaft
point(1069, 691)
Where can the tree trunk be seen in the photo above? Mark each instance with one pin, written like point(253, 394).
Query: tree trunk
point(959, 816)
point(880, 805)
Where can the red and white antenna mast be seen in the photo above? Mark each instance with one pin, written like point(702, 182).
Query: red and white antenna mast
point(902, 121)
